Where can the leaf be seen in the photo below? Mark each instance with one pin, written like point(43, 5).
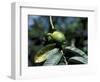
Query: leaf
point(75, 51)
point(77, 60)
point(54, 57)
point(42, 53)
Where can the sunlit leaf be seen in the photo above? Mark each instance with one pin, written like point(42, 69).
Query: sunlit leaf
point(42, 54)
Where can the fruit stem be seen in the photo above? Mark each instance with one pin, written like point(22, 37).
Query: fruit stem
point(51, 22)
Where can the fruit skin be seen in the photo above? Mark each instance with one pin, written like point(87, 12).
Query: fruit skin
point(57, 36)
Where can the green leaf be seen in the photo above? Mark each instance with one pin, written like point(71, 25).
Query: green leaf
point(77, 60)
point(54, 56)
point(75, 51)
point(42, 54)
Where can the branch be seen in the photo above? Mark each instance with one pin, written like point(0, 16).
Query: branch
point(51, 22)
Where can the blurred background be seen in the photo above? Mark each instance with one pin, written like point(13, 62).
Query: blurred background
point(74, 28)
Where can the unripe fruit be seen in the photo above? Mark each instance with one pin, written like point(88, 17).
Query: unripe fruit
point(58, 36)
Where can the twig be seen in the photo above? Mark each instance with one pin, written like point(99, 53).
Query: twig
point(51, 22)
point(73, 43)
point(64, 58)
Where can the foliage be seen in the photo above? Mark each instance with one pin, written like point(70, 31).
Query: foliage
point(57, 40)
